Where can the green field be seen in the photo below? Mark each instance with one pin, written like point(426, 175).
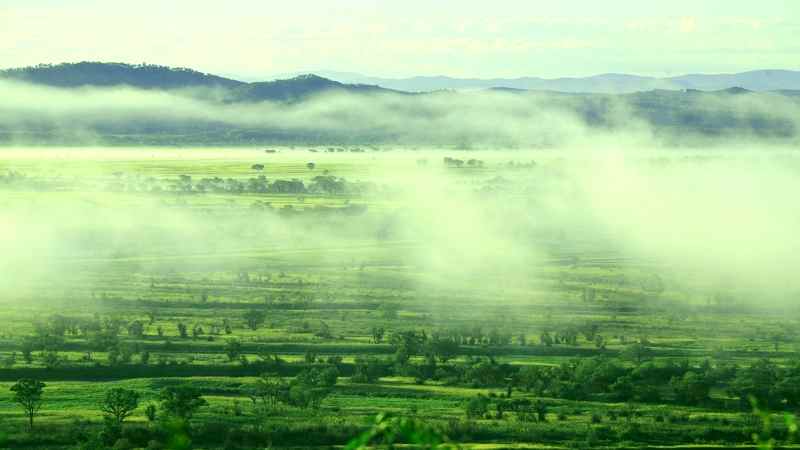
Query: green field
point(511, 301)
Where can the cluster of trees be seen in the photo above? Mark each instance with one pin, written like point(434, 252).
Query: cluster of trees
point(569, 335)
point(429, 356)
point(475, 335)
point(455, 162)
point(118, 403)
point(370, 369)
point(474, 372)
point(524, 409)
point(306, 390)
point(17, 180)
point(601, 377)
point(320, 184)
point(440, 346)
point(605, 379)
point(478, 336)
point(105, 334)
point(180, 403)
point(342, 149)
point(99, 334)
point(677, 382)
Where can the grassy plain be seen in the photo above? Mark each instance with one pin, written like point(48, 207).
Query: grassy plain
point(324, 280)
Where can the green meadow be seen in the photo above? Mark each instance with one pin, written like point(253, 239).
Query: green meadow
point(503, 301)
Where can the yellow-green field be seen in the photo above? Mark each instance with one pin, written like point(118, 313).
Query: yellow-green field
point(493, 280)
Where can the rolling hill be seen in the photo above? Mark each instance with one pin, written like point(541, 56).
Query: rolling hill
point(297, 86)
point(116, 74)
point(611, 83)
point(97, 74)
point(296, 89)
point(204, 109)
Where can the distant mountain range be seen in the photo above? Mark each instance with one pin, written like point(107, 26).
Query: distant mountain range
point(295, 86)
point(611, 83)
point(440, 110)
point(147, 76)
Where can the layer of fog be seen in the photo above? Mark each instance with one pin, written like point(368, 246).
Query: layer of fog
point(726, 221)
point(718, 221)
point(490, 118)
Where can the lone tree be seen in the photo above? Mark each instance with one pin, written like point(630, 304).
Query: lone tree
point(28, 393)
point(377, 334)
point(637, 352)
point(136, 329)
point(311, 165)
point(181, 401)
point(254, 318)
point(120, 403)
point(270, 390)
point(477, 407)
point(233, 348)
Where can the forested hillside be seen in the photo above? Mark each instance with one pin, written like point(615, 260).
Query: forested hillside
point(119, 104)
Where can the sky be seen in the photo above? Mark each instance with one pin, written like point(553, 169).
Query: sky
point(259, 39)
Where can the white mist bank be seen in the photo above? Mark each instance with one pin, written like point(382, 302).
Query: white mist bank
point(486, 118)
point(716, 220)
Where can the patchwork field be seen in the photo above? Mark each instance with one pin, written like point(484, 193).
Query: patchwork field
point(496, 299)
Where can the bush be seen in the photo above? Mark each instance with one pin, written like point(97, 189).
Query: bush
point(591, 437)
point(477, 407)
point(630, 432)
point(137, 434)
point(215, 432)
point(79, 431)
point(112, 431)
point(367, 370)
point(236, 408)
point(122, 444)
point(150, 412)
point(93, 443)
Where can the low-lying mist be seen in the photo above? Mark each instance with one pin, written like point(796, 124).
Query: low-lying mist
point(703, 221)
point(479, 119)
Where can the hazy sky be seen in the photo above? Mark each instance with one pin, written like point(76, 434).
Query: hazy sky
point(465, 38)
